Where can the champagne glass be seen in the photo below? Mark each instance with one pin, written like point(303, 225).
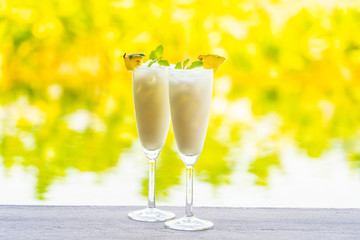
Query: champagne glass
point(190, 93)
point(152, 114)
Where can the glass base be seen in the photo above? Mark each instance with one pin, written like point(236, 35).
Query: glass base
point(151, 215)
point(189, 224)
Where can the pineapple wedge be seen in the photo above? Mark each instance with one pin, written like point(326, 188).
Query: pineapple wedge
point(211, 61)
point(133, 60)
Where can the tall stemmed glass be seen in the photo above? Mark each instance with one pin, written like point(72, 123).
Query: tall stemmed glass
point(190, 94)
point(152, 114)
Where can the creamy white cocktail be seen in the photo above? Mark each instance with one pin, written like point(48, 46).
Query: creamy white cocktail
point(190, 94)
point(151, 102)
point(152, 115)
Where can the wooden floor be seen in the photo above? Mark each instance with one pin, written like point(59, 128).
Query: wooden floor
point(100, 223)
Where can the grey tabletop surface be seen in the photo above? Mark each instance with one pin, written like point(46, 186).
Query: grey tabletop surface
point(111, 222)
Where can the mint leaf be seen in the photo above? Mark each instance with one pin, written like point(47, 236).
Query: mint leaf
point(163, 63)
point(151, 63)
point(195, 64)
point(178, 65)
point(185, 62)
point(152, 55)
point(159, 51)
point(156, 56)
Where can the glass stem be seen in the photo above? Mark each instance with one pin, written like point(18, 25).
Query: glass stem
point(151, 199)
point(189, 191)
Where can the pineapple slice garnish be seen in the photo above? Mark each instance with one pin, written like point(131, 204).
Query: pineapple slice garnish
point(133, 60)
point(211, 61)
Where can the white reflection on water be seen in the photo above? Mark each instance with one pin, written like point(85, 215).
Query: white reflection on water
point(83, 119)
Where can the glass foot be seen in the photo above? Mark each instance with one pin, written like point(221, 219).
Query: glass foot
point(151, 215)
point(189, 224)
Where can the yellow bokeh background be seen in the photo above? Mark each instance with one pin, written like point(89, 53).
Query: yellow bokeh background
point(295, 64)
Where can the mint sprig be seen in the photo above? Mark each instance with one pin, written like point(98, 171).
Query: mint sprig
point(164, 63)
point(178, 65)
point(185, 63)
point(193, 65)
point(156, 56)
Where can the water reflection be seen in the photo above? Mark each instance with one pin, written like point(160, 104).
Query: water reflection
point(73, 132)
point(55, 135)
point(91, 134)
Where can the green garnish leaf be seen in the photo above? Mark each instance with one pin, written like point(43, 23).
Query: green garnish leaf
point(159, 51)
point(163, 63)
point(151, 63)
point(195, 64)
point(178, 65)
point(156, 56)
point(185, 63)
point(152, 55)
